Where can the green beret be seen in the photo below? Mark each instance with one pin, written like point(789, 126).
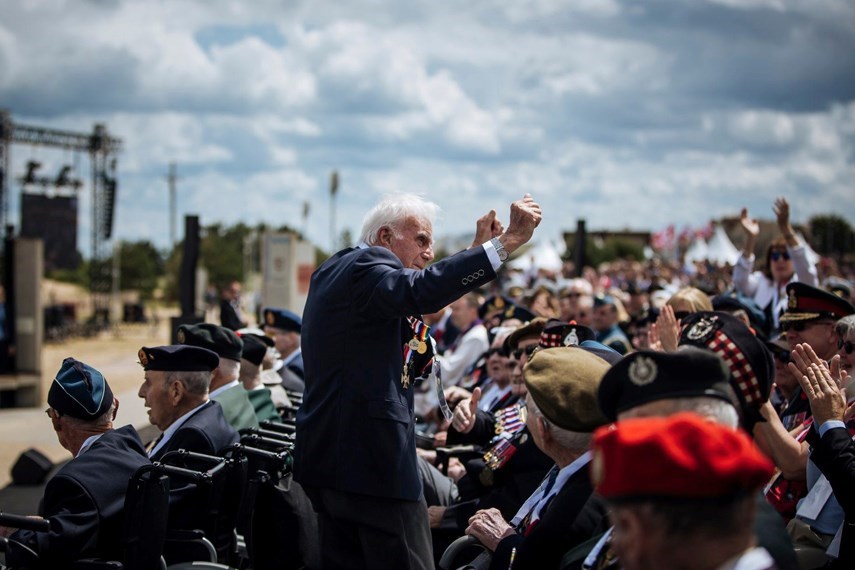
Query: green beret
point(563, 382)
point(225, 342)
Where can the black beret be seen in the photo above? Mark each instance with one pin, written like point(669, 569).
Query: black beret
point(752, 368)
point(254, 348)
point(79, 391)
point(733, 301)
point(647, 376)
point(178, 358)
point(282, 319)
point(806, 303)
point(225, 342)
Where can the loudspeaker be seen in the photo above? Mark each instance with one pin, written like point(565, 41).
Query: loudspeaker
point(31, 468)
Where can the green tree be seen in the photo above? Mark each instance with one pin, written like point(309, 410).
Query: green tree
point(832, 235)
point(612, 248)
point(141, 265)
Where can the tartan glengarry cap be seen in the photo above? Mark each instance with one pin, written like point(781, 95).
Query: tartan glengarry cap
point(254, 348)
point(648, 376)
point(558, 333)
point(806, 303)
point(225, 342)
point(681, 456)
point(751, 365)
point(282, 319)
point(563, 383)
point(178, 358)
point(79, 391)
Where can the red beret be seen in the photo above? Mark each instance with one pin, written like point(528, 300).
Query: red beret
point(682, 456)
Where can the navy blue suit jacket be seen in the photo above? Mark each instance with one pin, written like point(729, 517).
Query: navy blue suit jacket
point(356, 424)
point(206, 431)
point(85, 502)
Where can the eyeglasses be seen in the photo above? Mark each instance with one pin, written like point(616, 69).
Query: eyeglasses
point(47, 411)
point(572, 294)
point(529, 350)
point(776, 255)
point(848, 345)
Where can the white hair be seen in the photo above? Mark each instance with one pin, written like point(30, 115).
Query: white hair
point(575, 441)
point(393, 210)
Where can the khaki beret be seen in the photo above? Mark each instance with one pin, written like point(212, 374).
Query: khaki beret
point(563, 382)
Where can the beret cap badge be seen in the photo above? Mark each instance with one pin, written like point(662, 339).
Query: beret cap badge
point(572, 339)
point(143, 358)
point(703, 329)
point(181, 337)
point(642, 371)
point(270, 319)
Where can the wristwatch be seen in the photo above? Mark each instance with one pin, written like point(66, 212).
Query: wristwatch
point(500, 249)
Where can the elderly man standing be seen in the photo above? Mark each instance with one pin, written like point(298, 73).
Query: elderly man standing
point(85, 499)
point(363, 347)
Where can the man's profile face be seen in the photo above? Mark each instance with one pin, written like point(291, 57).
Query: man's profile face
point(412, 243)
point(156, 397)
point(284, 341)
point(819, 334)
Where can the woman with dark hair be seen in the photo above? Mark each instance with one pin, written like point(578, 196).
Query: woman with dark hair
point(786, 261)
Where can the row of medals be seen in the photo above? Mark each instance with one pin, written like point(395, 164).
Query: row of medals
point(419, 346)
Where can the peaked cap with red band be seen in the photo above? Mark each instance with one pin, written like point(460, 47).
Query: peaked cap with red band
point(682, 456)
point(806, 303)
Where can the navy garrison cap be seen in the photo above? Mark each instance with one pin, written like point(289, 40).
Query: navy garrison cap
point(79, 391)
point(282, 319)
point(178, 358)
point(225, 342)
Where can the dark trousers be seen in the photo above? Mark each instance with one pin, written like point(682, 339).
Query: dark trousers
point(364, 532)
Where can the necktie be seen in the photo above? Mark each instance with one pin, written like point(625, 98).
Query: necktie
point(153, 444)
point(550, 482)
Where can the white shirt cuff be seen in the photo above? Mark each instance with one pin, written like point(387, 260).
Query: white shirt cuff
point(492, 255)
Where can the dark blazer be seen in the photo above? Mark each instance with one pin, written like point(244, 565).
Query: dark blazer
point(356, 423)
point(85, 502)
point(206, 431)
point(834, 454)
point(573, 516)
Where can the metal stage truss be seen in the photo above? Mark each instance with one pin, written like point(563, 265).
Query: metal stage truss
point(103, 150)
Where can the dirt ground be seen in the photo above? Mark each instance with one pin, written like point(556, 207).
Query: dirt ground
point(114, 353)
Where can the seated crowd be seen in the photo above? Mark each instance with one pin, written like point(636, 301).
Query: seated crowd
point(636, 416)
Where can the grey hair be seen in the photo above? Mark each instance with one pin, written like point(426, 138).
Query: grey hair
point(845, 326)
point(393, 210)
point(715, 409)
point(194, 382)
point(570, 440)
point(229, 368)
point(102, 420)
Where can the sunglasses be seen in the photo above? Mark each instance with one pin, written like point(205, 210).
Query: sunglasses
point(492, 351)
point(572, 294)
point(799, 326)
point(848, 345)
point(776, 255)
point(529, 350)
point(783, 356)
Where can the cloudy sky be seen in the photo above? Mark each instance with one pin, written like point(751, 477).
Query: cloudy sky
point(627, 114)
